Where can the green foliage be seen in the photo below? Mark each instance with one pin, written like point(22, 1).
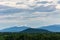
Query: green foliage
point(29, 36)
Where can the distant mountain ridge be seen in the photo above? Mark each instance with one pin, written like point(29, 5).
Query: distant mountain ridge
point(50, 28)
point(14, 29)
point(23, 29)
point(53, 28)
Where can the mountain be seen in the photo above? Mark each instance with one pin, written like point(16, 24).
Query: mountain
point(53, 28)
point(24, 29)
point(14, 29)
point(34, 30)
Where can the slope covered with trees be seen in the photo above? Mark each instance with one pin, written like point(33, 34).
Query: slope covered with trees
point(29, 36)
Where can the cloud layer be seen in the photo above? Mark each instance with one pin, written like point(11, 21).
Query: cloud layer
point(32, 13)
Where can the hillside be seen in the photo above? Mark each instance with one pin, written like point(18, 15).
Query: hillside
point(32, 30)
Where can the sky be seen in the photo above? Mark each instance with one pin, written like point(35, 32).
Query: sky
point(30, 13)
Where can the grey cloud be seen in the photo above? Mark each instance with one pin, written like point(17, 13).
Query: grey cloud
point(11, 10)
point(18, 3)
point(42, 2)
point(58, 2)
point(4, 7)
point(43, 8)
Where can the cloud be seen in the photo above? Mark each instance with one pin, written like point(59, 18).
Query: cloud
point(33, 13)
point(43, 8)
point(43, 2)
point(20, 16)
point(26, 3)
point(10, 10)
point(58, 2)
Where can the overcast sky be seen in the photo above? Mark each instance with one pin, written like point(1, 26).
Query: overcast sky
point(31, 13)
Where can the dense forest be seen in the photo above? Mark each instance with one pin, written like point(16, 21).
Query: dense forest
point(29, 36)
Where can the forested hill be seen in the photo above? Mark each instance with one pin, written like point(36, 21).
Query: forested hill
point(34, 30)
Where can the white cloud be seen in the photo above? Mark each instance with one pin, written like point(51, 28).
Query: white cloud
point(26, 3)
